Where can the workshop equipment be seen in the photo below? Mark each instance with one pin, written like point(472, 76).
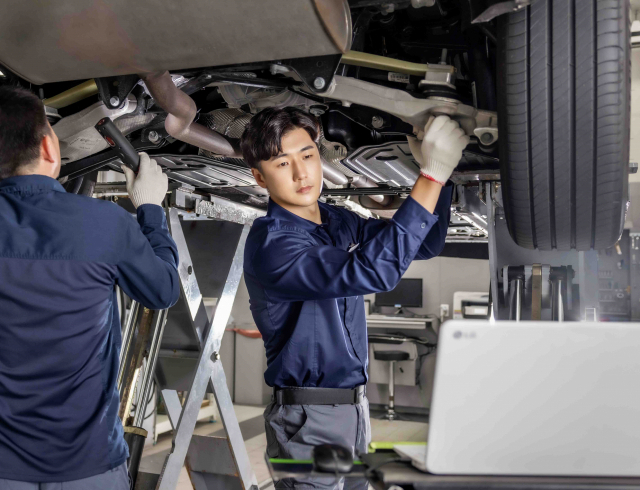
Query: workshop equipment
point(135, 438)
point(135, 435)
point(542, 399)
point(384, 470)
point(534, 284)
point(184, 352)
point(470, 305)
point(119, 143)
point(391, 356)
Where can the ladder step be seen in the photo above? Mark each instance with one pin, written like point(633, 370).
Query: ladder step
point(146, 481)
point(211, 454)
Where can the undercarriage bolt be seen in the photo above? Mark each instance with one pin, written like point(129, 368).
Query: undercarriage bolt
point(319, 83)
point(317, 110)
point(114, 101)
point(154, 137)
point(377, 122)
point(486, 138)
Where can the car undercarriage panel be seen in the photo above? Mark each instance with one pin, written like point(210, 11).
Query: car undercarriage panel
point(39, 40)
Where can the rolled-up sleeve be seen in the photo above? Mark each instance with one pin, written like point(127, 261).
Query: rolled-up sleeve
point(290, 266)
point(147, 269)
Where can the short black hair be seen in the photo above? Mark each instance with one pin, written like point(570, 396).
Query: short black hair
point(262, 137)
point(23, 124)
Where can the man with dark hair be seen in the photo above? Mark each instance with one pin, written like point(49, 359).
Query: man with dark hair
point(61, 256)
point(24, 127)
point(308, 264)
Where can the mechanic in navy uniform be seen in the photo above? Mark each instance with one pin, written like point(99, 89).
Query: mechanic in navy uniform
point(61, 256)
point(307, 266)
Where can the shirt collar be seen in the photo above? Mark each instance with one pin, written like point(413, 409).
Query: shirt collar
point(327, 214)
point(32, 184)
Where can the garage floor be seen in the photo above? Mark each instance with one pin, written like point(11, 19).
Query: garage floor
point(252, 426)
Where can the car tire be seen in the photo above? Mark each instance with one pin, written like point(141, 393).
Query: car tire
point(564, 90)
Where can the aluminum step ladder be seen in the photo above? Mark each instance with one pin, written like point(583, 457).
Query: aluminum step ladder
point(188, 359)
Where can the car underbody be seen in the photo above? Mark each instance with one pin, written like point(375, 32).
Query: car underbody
point(542, 172)
point(410, 63)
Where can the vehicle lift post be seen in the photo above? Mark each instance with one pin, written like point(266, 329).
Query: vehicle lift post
point(533, 284)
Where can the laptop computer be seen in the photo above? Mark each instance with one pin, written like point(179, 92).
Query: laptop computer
point(536, 398)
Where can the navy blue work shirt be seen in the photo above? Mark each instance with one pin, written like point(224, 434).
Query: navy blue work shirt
point(61, 256)
point(306, 282)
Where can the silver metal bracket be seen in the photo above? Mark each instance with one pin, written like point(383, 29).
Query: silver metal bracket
point(408, 108)
point(441, 75)
point(194, 206)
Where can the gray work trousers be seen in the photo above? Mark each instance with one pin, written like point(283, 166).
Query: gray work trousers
point(115, 479)
point(293, 431)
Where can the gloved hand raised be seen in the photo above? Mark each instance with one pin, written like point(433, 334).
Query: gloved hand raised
point(440, 150)
point(149, 186)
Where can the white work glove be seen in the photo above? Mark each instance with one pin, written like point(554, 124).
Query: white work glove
point(149, 186)
point(440, 150)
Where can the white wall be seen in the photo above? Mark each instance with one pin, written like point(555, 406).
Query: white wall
point(634, 154)
point(442, 276)
point(633, 217)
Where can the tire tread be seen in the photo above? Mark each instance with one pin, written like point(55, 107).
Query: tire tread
point(564, 94)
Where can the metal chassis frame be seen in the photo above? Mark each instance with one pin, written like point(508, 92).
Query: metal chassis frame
point(411, 109)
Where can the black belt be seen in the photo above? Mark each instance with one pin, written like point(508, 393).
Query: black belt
point(318, 396)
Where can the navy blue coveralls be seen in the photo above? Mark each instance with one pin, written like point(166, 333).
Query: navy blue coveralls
point(306, 282)
point(61, 256)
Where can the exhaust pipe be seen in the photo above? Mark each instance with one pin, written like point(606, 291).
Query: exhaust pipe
point(363, 181)
point(181, 110)
point(333, 175)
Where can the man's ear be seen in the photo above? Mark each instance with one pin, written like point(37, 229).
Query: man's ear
point(48, 151)
point(259, 178)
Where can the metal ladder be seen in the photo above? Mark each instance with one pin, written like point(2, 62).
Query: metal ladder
point(184, 355)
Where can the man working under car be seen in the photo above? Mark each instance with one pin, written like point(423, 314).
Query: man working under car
point(307, 265)
point(61, 256)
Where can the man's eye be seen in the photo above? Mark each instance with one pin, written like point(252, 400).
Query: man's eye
point(283, 164)
point(306, 157)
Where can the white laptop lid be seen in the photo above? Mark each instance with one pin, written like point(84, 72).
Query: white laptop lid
point(536, 398)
